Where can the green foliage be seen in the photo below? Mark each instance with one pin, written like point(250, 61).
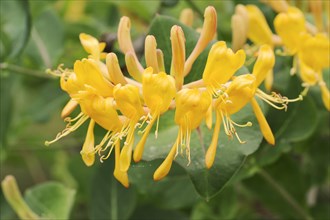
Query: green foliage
point(51, 200)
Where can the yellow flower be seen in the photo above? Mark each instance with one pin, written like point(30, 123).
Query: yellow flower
point(92, 46)
point(289, 26)
point(314, 57)
point(221, 65)
point(128, 102)
point(258, 32)
point(237, 94)
point(191, 108)
point(158, 92)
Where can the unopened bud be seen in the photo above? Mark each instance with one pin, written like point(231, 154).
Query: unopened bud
point(151, 52)
point(187, 17)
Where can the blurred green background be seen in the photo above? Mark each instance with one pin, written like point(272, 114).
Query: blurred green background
point(288, 181)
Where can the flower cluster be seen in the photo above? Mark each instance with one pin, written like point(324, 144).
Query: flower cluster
point(121, 105)
point(309, 45)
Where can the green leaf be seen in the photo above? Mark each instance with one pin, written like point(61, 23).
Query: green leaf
point(46, 43)
point(109, 199)
point(143, 9)
point(15, 27)
point(281, 188)
point(51, 200)
point(163, 194)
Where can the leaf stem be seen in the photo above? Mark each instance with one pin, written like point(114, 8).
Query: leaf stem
point(285, 195)
point(113, 199)
point(22, 70)
point(15, 199)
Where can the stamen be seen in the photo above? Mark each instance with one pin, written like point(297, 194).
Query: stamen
point(58, 72)
point(157, 124)
point(69, 128)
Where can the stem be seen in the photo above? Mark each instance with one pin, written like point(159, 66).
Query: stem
point(15, 199)
point(113, 199)
point(285, 195)
point(22, 70)
point(195, 8)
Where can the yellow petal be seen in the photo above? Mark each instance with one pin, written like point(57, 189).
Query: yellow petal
point(138, 151)
point(289, 25)
point(125, 41)
point(128, 101)
point(125, 157)
point(259, 31)
point(68, 108)
point(90, 44)
point(264, 126)
point(121, 176)
point(211, 151)
point(160, 60)
point(264, 63)
point(221, 64)
point(178, 55)
point(208, 31)
point(89, 73)
point(278, 5)
point(114, 70)
point(191, 107)
point(132, 67)
point(87, 152)
point(325, 95)
point(239, 31)
point(158, 90)
point(150, 52)
point(165, 167)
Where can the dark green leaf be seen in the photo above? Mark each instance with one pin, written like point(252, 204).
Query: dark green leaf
point(163, 194)
point(51, 200)
point(46, 42)
point(109, 199)
point(15, 27)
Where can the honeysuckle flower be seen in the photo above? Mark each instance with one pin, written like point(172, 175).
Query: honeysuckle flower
point(128, 102)
point(120, 104)
point(278, 5)
point(158, 91)
point(221, 65)
point(289, 26)
point(239, 26)
point(313, 58)
point(207, 34)
point(311, 53)
point(178, 55)
point(191, 108)
point(126, 45)
point(258, 31)
point(92, 46)
point(237, 94)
